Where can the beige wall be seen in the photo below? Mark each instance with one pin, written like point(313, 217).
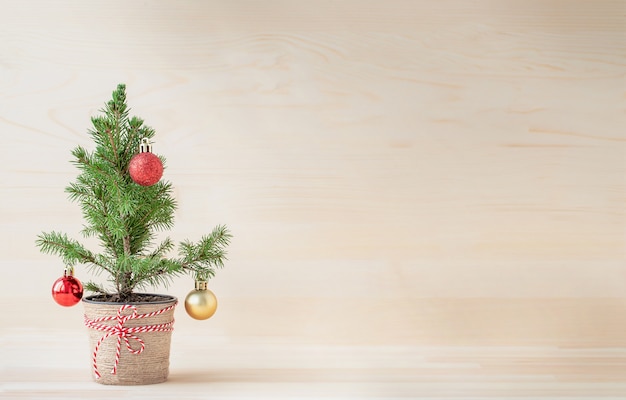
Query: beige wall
point(393, 171)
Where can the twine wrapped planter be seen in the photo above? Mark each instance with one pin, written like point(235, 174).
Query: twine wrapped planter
point(130, 343)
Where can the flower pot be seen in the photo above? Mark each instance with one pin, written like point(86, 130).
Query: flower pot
point(130, 343)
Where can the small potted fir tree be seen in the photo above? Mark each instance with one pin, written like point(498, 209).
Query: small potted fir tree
point(124, 204)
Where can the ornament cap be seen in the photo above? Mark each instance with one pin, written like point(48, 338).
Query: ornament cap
point(202, 285)
point(145, 146)
point(69, 271)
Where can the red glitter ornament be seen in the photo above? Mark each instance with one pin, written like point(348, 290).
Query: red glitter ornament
point(145, 168)
point(67, 290)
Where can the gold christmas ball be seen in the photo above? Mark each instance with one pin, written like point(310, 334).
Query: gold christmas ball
point(201, 303)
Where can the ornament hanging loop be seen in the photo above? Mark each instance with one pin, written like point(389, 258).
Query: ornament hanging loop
point(145, 146)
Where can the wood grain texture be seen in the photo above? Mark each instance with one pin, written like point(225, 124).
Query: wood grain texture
point(428, 195)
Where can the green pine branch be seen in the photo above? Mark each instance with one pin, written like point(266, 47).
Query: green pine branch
point(70, 250)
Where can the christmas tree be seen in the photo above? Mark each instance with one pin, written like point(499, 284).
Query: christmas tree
point(126, 212)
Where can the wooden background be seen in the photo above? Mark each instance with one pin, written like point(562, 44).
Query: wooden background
point(427, 197)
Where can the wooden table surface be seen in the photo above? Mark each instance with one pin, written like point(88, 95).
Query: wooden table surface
point(427, 197)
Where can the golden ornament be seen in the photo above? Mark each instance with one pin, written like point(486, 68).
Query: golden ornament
point(201, 303)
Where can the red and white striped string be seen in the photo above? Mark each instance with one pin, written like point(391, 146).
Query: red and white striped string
point(126, 333)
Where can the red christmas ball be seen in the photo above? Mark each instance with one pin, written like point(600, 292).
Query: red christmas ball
point(145, 169)
point(67, 290)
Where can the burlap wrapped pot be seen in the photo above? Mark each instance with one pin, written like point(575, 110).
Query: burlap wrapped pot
point(150, 323)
